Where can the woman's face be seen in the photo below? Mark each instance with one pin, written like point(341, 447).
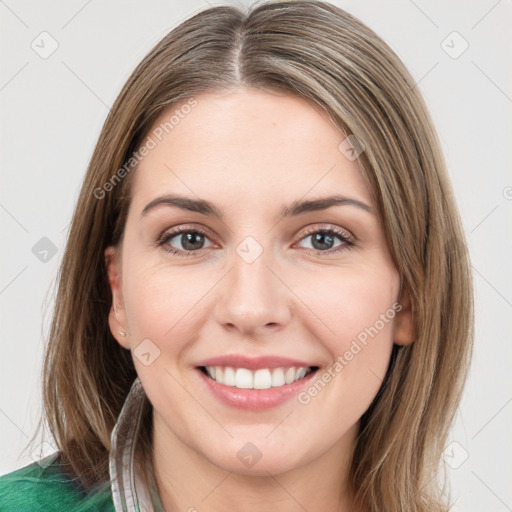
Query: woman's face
point(257, 283)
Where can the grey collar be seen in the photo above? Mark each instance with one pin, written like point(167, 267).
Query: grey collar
point(130, 493)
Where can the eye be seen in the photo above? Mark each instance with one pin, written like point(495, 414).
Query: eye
point(191, 240)
point(322, 240)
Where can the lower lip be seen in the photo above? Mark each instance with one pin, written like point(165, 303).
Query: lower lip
point(255, 399)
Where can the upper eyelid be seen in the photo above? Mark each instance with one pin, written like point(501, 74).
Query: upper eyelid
point(328, 227)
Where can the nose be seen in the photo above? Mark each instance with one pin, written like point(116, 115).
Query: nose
point(254, 298)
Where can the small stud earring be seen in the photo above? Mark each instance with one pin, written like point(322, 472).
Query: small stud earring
point(122, 333)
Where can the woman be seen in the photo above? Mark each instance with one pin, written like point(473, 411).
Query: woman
point(265, 301)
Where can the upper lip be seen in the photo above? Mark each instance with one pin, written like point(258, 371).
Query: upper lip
point(254, 363)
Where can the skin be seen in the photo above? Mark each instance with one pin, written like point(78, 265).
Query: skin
point(251, 152)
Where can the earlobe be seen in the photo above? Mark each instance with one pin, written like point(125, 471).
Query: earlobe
point(117, 316)
point(117, 330)
point(404, 331)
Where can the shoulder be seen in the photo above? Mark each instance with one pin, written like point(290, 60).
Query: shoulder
point(41, 486)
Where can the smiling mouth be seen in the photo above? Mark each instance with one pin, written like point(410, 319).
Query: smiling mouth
point(263, 378)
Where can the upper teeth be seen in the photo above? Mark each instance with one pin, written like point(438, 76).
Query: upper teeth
point(263, 378)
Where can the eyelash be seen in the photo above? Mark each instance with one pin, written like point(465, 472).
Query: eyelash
point(341, 234)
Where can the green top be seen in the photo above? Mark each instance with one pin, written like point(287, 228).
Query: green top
point(43, 487)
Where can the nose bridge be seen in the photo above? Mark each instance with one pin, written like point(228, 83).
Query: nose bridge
point(253, 296)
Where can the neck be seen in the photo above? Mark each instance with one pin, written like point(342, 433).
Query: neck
point(188, 481)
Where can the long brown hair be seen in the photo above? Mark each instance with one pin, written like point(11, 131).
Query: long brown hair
point(319, 52)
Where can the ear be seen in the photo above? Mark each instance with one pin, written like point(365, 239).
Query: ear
point(117, 314)
point(404, 331)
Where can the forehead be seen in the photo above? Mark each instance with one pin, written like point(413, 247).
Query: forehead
point(260, 146)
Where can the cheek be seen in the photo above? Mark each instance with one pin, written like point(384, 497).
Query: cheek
point(164, 304)
point(355, 316)
point(355, 325)
point(350, 303)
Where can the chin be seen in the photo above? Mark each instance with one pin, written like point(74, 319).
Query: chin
point(256, 458)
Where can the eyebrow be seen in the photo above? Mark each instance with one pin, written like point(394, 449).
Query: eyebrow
point(296, 208)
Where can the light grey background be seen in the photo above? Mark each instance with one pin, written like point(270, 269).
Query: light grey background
point(52, 112)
